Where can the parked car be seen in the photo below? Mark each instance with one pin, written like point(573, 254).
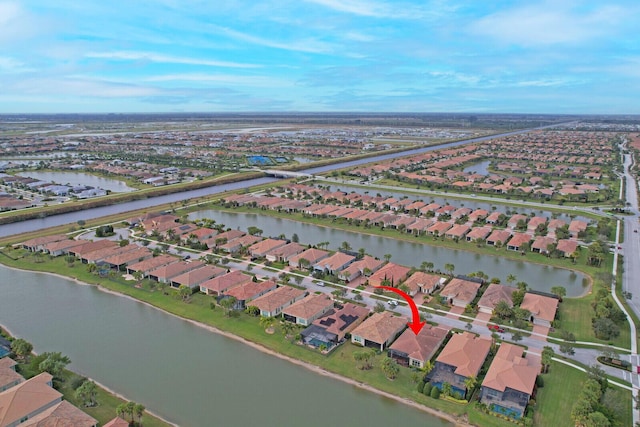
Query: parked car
point(496, 328)
point(393, 303)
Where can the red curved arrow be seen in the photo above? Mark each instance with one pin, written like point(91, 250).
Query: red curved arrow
point(415, 325)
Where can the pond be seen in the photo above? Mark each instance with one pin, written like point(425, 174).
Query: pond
point(538, 276)
point(78, 178)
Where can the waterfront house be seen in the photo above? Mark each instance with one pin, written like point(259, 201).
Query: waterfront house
point(37, 244)
point(498, 237)
point(220, 284)
point(117, 422)
point(235, 245)
point(519, 241)
point(98, 256)
point(493, 218)
point(165, 273)
point(478, 233)
point(120, 260)
point(35, 402)
point(458, 231)
point(542, 244)
point(194, 278)
point(61, 247)
point(331, 329)
point(510, 381)
point(89, 246)
point(151, 264)
point(8, 375)
point(460, 292)
point(308, 309)
point(461, 358)
point(567, 247)
point(414, 350)
point(577, 226)
point(513, 221)
point(542, 308)
point(439, 228)
point(248, 291)
point(379, 330)
point(272, 303)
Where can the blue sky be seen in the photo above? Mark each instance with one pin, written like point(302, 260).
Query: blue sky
point(556, 56)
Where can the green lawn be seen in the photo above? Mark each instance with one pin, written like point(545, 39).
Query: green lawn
point(555, 400)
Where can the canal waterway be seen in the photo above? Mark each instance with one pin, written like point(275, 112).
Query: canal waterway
point(538, 277)
point(67, 218)
point(184, 373)
point(78, 178)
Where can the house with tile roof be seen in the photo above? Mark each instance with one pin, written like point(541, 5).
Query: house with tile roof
point(461, 358)
point(312, 255)
point(518, 241)
point(37, 244)
point(362, 267)
point(498, 236)
point(493, 295)
point(248, 291)
point(476, 233)
point(262, 248)
point(334, 263)
point(8, 375)
point(308, 309)
point(379, 330)
point(165, 273)
point(221, 284)
point(458, 231)
point(567, 247)
point(541, 244)
point(194, 278)
point(460, 292)
point(117, 422)
point(151, 264)
point(423, 282)
point(283, 253)
point(510, 381)
point(331, 329)
point(235, 245)
point(391, 274)
point(414, 350)
point(35, 402)
point(272, 303)
point(542, 308)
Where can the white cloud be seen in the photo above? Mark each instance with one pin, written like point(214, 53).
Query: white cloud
point(548, 23)
point(255, 81)
point(307, 45)
point(11, 65)
point(154, 57)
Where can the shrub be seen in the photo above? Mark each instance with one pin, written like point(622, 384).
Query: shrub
point(427, 389)
point(76, 381)
point(421, 385)
point(435, 393)
point(539, 381)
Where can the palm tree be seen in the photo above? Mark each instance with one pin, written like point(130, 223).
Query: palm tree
point(387, 257)
point(138, 410)
point(287, 328)
point(346, 246)
point(267, 323)
point(390, 368)
point(511, 278)
point(449, 268)
point(470, 383)
point(426, 266)
point(227, 304)
point(547, 358)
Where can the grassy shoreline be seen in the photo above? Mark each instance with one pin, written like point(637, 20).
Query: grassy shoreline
point(108, 400)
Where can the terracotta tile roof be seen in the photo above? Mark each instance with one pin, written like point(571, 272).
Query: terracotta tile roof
point(460, 289)
point(38, 241)
point(8, 375)
point(567, 246)
point(542, 242)
point(251, 290)
point(540, 306)
point(457, 230)
point(496, 293)
point(117, 422)
point(64, 414)
point(309, 306)
point(336, 261)
point(312, 255)
point(479, 233)
point(421, 346)
point(510, 369)
point(275, 299)
point(101, 254)
point(466, 352)
point(27, 398)
point(394, 273)
point(199, 275)
point(152, 263)
point(440, 227)
point(421, 280)
point(265, 246)
point(519, 239)
point(129, 256)
point(221, 283)
point(89, 247)
point(499, 236)
point(172, 270)
point(286, 251)
point(62, 245)
point(380, 327)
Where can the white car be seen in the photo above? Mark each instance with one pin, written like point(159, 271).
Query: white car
point(393, 303)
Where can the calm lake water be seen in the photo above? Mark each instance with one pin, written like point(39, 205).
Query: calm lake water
point(539, 277)
point(78, 178)
point(186, 374)
point(480, 167)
